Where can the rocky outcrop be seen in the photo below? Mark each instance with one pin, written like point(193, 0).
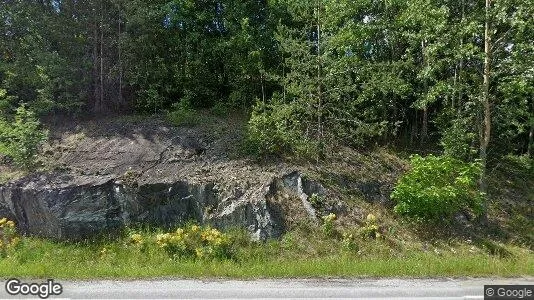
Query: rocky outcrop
point(67, 207)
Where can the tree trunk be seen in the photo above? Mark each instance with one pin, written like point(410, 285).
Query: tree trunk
point(101, 58)
point(424, 127)
point(262, 88)
point(530, 147)
point(119, 46)
point(96, 92)
point(319, 79)
point(531, 142)
point(486, 126)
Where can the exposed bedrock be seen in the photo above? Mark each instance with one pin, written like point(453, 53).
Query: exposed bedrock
point(65, 207)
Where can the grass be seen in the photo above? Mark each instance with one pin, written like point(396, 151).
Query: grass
point(295, 255)
point(8, 174)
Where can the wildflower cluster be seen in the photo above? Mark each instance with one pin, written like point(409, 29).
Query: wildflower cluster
point(136, 239)
point(8, 236)
point(195, 242)
point(328, 224)
point(371, 228)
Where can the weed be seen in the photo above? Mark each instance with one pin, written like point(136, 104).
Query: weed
point(8, 237)
point(328, 225)
point(371, 228)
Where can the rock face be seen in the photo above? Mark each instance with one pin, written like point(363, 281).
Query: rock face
point(64, 207)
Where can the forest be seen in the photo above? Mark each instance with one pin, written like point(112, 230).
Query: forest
point(453, 76)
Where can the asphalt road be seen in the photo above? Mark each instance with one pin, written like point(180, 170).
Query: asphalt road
point(272, 289)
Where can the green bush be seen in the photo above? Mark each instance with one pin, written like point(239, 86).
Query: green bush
point(150, 100)
point(437, 187)
point(328, 226)
point(274, 129)
point(183, 114)
point(6, 101)
point(20, 140)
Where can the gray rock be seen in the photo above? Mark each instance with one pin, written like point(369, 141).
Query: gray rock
point(74, 208)
point(376, 192)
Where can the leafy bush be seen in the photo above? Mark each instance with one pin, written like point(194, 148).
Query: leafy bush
point(150, 100)
point(437, 187)
point(328, 225)
point(8, 236)
point(183, 114)
point(6, 101)
point(274, 129)
point(21, 139)
point(196, 242)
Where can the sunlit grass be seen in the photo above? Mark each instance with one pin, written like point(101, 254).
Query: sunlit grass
point(290, 257)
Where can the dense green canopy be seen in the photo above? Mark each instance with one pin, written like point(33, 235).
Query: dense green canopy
point(352, 71)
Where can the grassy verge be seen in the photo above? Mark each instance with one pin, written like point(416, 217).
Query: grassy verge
point(293, 256)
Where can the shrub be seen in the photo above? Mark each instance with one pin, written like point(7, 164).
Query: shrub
point(8, 236)
point(274, 129)
point(437, 187)
point(183, 114)
point(328, 225)
point(6, 101)
point(196, 242)
point(20, 140)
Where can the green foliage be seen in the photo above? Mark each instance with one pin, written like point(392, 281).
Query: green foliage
point(274, 129)
point(20, 140)
point(151, 101)
point(437, 187)
point(183, 114)
point(8, 237)
point(195, 242)
point(328, 226)
point(221, 109)
point(458, 140)
point(6, 102)
point(348, 242)
point(317, 201)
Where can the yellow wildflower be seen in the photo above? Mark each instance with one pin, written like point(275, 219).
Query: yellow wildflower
point(15, 241)
point(199, 252)
point(371, 218)
point(10, 224)
point(136, 238)
point(331, 217)
point(3, 221)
